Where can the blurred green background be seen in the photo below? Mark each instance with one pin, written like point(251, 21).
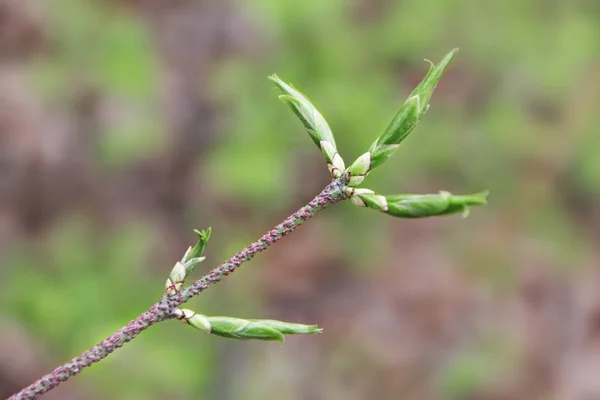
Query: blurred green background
point(126, 124)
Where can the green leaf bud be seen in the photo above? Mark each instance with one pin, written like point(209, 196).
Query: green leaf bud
point(409, 114)
point(244, 329)
point(176, 279)
point(359, 169)
point(314, 123)
point(353, 195)
point(198, 249)
point(190, 317)
point(420, 206)
point(190, 260)
point(179, 273)
point(335, 163)
point(374, 201)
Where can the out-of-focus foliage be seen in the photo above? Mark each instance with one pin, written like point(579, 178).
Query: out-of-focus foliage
point(127, 123)
point(93, 45)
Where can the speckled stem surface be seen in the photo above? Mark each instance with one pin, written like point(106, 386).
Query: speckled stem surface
point(163, 309)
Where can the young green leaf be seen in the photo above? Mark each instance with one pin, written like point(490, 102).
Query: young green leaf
point(419, 206)
point(244, 329)
point(313, 122)
point(425, 89)
point(198, 249)
point(408, 116)
point(403, 123)
point(189, 261)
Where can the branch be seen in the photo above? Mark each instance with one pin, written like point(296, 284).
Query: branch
point(164, 308)
point(342, 187)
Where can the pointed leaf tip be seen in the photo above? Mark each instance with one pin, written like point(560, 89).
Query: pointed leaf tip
point(421, 206)
point(426, 87)
point(204, 234)
point(409, 114)
point(198, 249)
point(244, 329)
point(314, 123)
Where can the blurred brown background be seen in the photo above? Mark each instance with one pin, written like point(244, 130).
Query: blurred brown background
point(125, 124)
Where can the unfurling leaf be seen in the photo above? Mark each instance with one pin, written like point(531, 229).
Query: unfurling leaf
point(244, 329)
point(190, 260)
point(198, 249)
point(407, 117)
point(419, 206)
point(313, 122)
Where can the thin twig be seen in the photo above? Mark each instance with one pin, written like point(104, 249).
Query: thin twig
point(163, 309)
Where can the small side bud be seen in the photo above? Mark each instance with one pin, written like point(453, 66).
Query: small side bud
point(198, 249)
point(178, 275)
point(354, 195)
point(242, 329)
point(361, 166)
point(193, 319)
point(335, 163)
point(176, 279)
point(359, 169)
point(190, 260)
point(401, 126)
point(374, 201)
